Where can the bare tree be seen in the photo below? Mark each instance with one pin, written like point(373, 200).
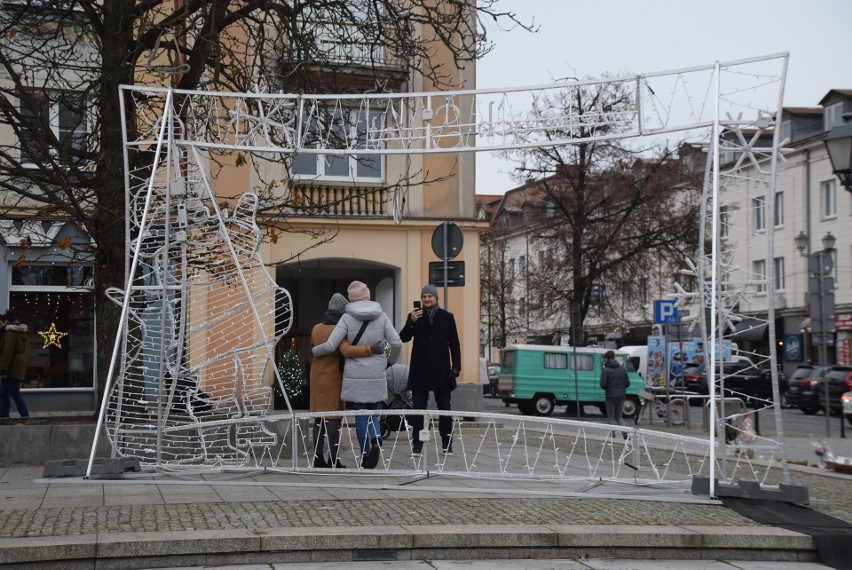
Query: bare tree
point(62, 62)
point(500, 318)
point(604, 215)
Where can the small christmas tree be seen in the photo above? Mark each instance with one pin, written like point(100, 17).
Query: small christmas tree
point(292, 376)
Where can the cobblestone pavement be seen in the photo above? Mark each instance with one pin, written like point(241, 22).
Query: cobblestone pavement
point(34, 507)
point(215, 519)
point(68, 521)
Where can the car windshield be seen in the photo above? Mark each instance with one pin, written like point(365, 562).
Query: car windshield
point(806, 372)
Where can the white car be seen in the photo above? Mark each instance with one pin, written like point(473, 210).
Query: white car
point(846, 398)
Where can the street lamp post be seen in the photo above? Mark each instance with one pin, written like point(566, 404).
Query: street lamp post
point(838, 143)
point(821, 308)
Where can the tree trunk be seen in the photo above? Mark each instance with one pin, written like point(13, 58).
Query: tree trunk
point(107, 225)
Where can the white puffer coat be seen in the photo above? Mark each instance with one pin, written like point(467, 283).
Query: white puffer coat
point(364, 378)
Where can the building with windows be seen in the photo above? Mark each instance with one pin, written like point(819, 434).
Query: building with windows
point(808, 202)
point(368, 217)
point(531, 256)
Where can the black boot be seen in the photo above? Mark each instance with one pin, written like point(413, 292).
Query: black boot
point(321, 463)
point(372, 458)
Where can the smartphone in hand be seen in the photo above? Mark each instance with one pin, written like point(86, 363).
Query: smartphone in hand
point(416, 305)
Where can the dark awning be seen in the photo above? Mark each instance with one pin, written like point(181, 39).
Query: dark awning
point(749, 330)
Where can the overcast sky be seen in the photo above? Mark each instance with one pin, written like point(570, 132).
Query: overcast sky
point(589, 38)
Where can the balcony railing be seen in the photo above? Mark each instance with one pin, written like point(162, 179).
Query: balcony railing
point(338, 201)
point(348, 44)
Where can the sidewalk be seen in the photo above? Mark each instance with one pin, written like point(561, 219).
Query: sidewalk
point(153, 519)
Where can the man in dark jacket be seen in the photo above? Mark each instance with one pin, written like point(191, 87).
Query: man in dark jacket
point(614, 381)
point(435, 363)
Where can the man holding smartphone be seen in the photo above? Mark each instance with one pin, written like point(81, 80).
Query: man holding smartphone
point(435, 363)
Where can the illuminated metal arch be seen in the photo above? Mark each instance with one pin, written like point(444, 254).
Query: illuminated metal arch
point(185, 380)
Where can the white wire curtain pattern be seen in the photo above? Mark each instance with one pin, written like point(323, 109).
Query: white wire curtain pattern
point(484, 445)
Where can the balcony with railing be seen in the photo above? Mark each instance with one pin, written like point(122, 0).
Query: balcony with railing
point(350, 49)
point(336, 201)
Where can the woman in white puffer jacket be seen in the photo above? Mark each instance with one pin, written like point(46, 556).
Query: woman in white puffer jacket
point(364, 381)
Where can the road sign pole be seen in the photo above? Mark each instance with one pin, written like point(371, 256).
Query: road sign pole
point(446, 270)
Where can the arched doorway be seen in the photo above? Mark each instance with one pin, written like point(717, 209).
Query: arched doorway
point(312, 283)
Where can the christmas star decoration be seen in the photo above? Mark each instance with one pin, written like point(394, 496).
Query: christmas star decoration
point(52, 336)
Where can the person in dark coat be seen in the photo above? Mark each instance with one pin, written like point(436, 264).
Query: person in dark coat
point(614, 381)
point(13, 364)
point(435, 363)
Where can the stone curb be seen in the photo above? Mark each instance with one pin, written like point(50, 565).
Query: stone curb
point(324, 544)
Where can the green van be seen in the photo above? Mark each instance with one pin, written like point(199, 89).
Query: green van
point(540, 377)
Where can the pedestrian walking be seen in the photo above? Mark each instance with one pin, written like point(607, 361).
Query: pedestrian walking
point(13, 364)
point(614, 381)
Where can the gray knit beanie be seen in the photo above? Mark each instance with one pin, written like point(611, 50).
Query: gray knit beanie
point(430, 289)
point(337, 303)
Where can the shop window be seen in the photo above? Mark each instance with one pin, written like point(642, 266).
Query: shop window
point(58, 307)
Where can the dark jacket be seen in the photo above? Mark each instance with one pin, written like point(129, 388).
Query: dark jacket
point(435, 351)
point(614, 379)
point(13, 352)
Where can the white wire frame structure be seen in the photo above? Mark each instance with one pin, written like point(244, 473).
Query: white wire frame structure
point(190, 382)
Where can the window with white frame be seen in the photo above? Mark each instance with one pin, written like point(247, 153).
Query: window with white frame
point(759, 274)
point(62, 113)
point(343, 130)
point(833, 115)
point(759, 207)
point(828, 194)
point(778, 212)
point(780, 280)
point(724, 222)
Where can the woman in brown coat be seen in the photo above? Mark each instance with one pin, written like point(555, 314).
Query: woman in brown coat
point(326, 381)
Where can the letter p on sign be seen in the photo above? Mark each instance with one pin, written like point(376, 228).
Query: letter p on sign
point(665, 313)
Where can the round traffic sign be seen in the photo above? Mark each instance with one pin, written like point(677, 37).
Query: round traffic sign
point(447, 240)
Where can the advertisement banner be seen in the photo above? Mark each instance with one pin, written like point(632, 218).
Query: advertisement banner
point(793, 348)
point(665, 362)
point(844, 351)
point(656, 361)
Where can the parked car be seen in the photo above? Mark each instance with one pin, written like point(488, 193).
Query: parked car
point(742, 379)
point(839, 379)
point(803, 388)
point(846, 398)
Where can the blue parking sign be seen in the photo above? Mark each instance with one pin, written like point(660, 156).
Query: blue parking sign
point(665, 313)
